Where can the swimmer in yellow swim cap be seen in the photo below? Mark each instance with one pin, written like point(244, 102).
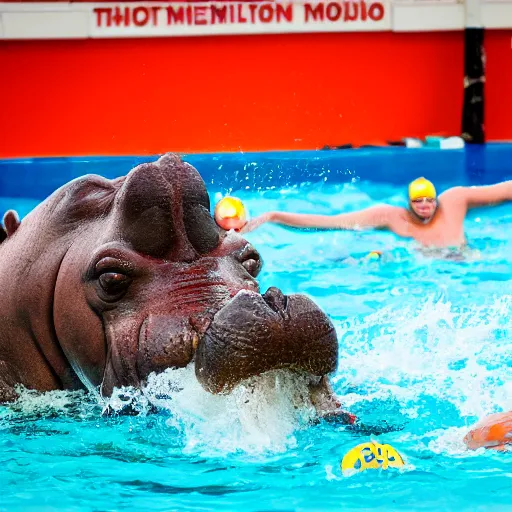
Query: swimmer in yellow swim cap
point(422, 199)
point(230, 213)
point(432, 220)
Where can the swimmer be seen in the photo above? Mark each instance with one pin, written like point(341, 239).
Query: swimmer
point(433, 221)
point(493, 432)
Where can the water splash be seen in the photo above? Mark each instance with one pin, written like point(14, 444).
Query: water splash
point(434, 362)
point(259, 415)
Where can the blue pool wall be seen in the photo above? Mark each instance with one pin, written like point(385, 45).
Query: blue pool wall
point(36, 178)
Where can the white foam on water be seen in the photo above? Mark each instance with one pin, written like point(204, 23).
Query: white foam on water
point(257, 416)
point(431, 348)
point(450, 441)
point(51, 402)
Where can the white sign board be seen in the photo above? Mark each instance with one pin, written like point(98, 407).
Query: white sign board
point(68, 20)
point(206, 18)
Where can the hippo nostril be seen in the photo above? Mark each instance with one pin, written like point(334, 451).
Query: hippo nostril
point(275, 298)
point(252, 266)
point(250, 260)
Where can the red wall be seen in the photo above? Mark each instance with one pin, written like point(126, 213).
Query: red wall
point(498, 86)
point(230, 93)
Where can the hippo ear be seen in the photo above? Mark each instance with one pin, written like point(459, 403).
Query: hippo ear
point(11, 222)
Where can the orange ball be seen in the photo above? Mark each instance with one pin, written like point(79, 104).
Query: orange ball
point(230, 213)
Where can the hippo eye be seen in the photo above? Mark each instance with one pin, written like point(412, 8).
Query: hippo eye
point(114, 284)
point(112, 275)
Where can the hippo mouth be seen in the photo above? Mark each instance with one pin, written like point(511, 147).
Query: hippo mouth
point(254, 334)
point(249, 336)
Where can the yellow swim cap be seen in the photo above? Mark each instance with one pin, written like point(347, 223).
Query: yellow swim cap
point(230, 213)
point(229, 207)
point(421, 187)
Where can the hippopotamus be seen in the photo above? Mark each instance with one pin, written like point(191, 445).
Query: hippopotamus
point(108, 281)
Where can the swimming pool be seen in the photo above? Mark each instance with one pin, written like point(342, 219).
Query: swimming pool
point(425, 348)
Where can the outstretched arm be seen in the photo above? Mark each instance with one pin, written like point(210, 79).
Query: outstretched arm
point(374, 217)
point(488, 195)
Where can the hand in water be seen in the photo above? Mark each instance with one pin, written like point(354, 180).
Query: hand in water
point(256, 222)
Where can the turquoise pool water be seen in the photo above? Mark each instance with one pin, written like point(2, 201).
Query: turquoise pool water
point(425, 350)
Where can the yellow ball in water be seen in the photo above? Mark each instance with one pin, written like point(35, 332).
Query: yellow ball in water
point(230, 213)
point(374, 255)
point(371, 456)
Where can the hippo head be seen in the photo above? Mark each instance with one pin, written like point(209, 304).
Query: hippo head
point(150, 282)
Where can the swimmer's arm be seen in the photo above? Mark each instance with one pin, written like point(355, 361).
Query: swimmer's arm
point(487, 195)
point(374, 217)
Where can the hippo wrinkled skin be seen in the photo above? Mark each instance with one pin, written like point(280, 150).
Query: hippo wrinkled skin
point(109, 280)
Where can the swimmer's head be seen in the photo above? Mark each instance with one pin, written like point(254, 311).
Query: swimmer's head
point(230, 213)
point(423, 199)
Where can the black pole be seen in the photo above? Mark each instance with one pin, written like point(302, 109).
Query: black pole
point(474, 79)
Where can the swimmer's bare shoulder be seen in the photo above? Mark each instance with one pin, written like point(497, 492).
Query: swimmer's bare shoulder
point(398, 221)
point(457, 201)
point(475, 196)
point(453, 196)
point(454, 202)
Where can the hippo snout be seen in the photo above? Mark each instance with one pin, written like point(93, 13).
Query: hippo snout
point(165, 342)
point(254, 333)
